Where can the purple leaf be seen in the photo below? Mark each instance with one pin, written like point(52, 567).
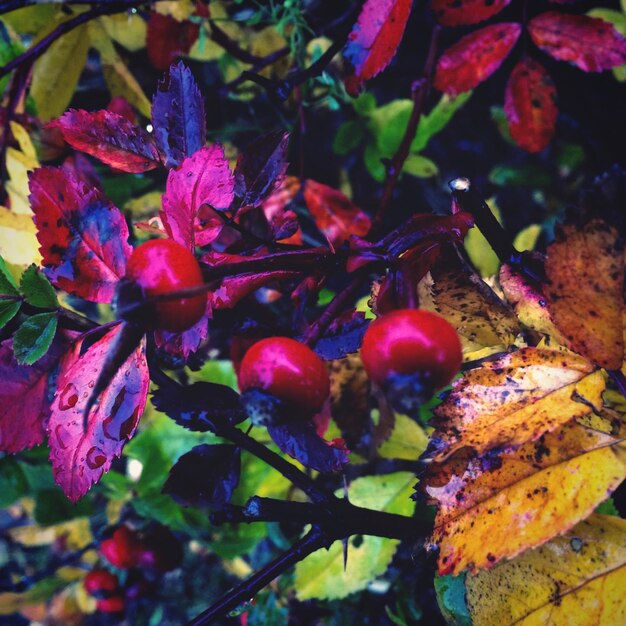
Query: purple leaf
point(202, 406)
point(260, 168)
point(24, 400)
point(203, 178)
point(183, 344)
point(205, 477)
point(178, 115)
point(79, 458)
point(109, 137)
point(82, 236)
point(300, 441)
point(343, 337)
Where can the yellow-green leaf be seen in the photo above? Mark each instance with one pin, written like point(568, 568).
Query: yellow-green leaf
point(321, 575)
point(407, 440)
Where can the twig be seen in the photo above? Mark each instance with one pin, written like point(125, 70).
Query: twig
point(11, 5)
point(260, 65)
point(222, 39)
point(419, 91)
point(103, 8)
point(337, 304)
point(312, 541)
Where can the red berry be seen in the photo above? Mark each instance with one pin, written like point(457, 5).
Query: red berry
point(161, 266)
point(123, 549)
point(288, 370)
point(100, 580)
point(412, 341)
point(113, 604)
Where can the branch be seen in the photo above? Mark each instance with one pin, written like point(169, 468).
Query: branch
point(102, 8)
point(419, 90)
point(221, 38)
point(312, 541)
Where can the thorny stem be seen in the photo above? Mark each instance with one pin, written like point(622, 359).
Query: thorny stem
point(34, 52)
point(312, 541)
point(419, 91)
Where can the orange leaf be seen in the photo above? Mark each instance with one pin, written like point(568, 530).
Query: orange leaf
point(516, 399)
point(492, 508)
point(575, 580)
point(585, 270)
point(336, 216)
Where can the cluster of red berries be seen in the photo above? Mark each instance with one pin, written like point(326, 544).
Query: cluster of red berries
point(151, 553)
point(410, 353)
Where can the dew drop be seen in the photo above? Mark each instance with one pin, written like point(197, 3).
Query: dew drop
point(68, 397)
point(91, 384)
point(95, 458)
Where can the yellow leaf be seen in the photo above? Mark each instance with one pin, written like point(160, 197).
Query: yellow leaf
point(407, 440)
point(127, 29)
point(321, 574)
point(584, 292)
point(117, 76)
point(516, 399)
point(575, 580)
point(145, 206)
point(19, 163)
point(529, 303)
point(18, 242)
point(497, 507)
point(76, 532)
point(457, 293)
point(57, 71)
point(526, 239)
point(178, 9)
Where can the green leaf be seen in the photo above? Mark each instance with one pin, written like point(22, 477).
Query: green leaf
point(526, 176)
point(349, 135)
point(8, 51)
point(57, 71)
point(37, 289)
point(365, 103)
point(8, 285)
point(373, 163)
point(52, 507)
point(502, 124)
point(13, 481)
point(451, 592)
point(217, 371)
point(437, 119)
point(607, 508)
point(8, 310)
point(419, 166)
point(388, 125)
point(33, 338)
point(526, 239)
point(481, 254)
point(321, 575)
point(407, 440)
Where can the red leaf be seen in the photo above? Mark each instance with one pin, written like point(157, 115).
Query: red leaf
point(335, 215)
point(203, 178)
point(82, 236)
point(168, 39)
point(465, 12)
point(588, 42)
point(375, 38)
point(475, 57)
point(530, 105)
point(109, 137)
point(24, 403)
point(283, 222)
point(80, 458)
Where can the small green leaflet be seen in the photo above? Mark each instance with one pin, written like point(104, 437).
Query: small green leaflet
point(33, 337)
point(8, 286)
point(37, 289)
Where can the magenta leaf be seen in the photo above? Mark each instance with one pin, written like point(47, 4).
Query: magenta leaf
point(206, 476)
point(475, 57)
point(178, 115)
point(590, 43)
point(261, 168)
point(465, 12)
point(82, 236)
point(79, 457)
point(109, 137)
point(299, 439)
point(335, 215)
point(203, 178)
point(375, 38)
point(530, 105)
point(24, 401)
